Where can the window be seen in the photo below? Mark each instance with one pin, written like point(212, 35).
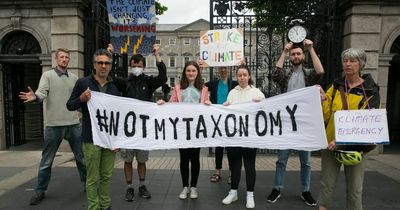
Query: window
point(186, 41)
point(245, 42)
point(172, 41)
point(171, 81)
point(172, 61)
point(158, 41)
point(185, 60)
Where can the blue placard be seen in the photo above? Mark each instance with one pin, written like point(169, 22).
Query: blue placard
point(132, 25)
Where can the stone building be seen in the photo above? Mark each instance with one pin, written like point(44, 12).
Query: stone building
point(31, 31)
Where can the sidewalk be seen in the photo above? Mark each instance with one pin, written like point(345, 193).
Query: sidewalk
point(19, 166)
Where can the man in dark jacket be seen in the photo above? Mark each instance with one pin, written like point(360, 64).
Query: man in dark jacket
point(99, 161)
point(139, 86)
point(219, 90)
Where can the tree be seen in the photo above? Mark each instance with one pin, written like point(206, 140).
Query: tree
point(160, 9)
point(278, 13)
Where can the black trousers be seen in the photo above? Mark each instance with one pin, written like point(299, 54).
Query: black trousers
point(219, 155)
point(191, 155)
point(235, 156)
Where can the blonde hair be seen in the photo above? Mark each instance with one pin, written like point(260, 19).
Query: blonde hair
point(61, 50)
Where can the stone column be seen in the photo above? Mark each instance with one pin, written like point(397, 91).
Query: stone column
point(362, 28)
point(67, 31)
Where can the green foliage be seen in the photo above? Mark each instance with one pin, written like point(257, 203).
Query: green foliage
point(160, 9)
point(278, 13)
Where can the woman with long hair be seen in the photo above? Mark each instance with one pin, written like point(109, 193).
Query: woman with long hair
point(191, 89)
point(244, 92)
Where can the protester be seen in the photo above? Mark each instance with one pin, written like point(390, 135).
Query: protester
point(219, 90)
point(353, 91)
point(297, 77)
point(139, 86)
point(191, 89)
point(99, 161)
point(55, 86)
point(244, 92)
point(166, 89)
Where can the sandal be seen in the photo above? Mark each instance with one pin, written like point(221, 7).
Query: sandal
point(215, 178)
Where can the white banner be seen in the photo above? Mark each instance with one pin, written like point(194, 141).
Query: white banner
point(222, 47)
point(288, 121)
point(361, 127)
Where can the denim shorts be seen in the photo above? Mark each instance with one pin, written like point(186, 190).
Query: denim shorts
point(127, 155)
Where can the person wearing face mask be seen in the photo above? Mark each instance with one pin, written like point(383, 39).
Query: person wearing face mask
point(139, 86)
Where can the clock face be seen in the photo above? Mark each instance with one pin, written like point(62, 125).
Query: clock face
point(297, 34)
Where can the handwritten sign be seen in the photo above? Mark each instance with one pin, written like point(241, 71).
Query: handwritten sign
point(132, 25)
point(222, 47)
point(361, 127)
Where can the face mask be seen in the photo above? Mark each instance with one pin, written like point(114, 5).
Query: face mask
point(136, 71)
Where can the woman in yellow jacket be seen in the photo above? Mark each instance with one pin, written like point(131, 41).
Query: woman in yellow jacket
point(351, 92)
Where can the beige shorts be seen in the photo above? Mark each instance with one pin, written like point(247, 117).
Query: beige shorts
point(127, 155)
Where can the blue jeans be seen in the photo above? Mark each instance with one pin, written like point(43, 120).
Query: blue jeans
point(305, 173)
point(53, 135)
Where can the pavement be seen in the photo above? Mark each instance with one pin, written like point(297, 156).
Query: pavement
point(19, 167)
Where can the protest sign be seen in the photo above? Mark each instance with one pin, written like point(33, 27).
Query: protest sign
point(366, 126)
point(222, 47)
point(132, 25)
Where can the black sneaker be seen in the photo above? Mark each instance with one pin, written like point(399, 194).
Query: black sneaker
point(273, 197)
point(308, 199)
point(130, 194)
point(144, 192)
point(37, 198)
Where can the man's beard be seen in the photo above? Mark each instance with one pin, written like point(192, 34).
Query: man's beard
point(297, 62)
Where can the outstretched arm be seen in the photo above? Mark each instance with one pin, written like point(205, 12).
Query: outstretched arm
point(27, 96)
point(156, 53)
point(286, 49)
point(161, 78)
point(308, 44)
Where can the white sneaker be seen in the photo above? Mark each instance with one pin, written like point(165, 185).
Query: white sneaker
point(184, 193)
point(193, 192)
point(230, 198)
point(250, 202)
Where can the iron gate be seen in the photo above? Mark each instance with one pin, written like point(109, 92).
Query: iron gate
point(97, 33)
point(265, 36)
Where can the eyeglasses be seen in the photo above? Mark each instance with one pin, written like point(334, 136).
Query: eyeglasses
point(103, 63)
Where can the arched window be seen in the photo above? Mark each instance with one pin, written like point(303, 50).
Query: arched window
point(20, 42)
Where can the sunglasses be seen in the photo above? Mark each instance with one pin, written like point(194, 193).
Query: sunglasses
point(103, 63)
